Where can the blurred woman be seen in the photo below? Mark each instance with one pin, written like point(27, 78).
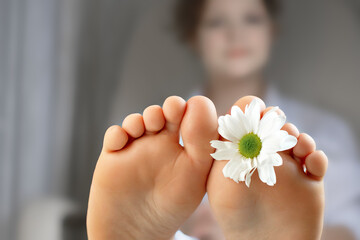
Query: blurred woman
point(233, 40)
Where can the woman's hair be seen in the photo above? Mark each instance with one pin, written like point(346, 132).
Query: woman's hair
point(188, 13)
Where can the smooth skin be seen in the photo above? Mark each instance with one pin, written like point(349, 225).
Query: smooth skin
point(146, 184)
point(292, 209)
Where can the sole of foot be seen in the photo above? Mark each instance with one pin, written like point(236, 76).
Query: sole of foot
point(291, 209)
point(145, 184)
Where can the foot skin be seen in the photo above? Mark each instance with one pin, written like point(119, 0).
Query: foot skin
point(292, 209)
point(146, 184)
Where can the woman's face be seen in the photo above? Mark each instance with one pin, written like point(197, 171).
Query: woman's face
point(234, 37)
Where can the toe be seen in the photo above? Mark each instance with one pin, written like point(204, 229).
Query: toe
point(304, 146)
point(279, 111)
point(133, 124)
point(242, 102)
point(291, 129)
point(115, 139)
point(154, 119)
point(198, 128)
point(174, 109)
point(316, 163)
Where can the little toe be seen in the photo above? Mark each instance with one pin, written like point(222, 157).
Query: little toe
point(154, 119)
point(174, 109)
point(316, 163)
point(304, 146)
point(133, 124)
point(115, 138)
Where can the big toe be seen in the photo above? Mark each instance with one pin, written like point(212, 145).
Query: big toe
point(242, 102)
point(198, 128)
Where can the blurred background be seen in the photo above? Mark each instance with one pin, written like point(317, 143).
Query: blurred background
point(71, 68)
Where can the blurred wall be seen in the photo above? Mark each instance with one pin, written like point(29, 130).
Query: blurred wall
point(28, 51)
point(318, 57)
point(59, 63)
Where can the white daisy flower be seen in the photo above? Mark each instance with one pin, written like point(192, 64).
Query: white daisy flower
point(253, 143)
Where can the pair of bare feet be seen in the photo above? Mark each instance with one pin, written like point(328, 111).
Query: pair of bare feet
point(146, 184)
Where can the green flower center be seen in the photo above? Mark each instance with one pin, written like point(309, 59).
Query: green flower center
point(250, 145)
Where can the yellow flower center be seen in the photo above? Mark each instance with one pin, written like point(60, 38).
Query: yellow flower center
point(250, 145)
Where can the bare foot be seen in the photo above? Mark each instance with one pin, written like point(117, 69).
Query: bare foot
point(145, 184)
point(291, 209)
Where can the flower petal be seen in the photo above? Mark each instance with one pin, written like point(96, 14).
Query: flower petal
point(267, 174)
point(272, 176)
point(270, 146)
point(273, 159)
point(236, 169)
point(276, 160)
point(288, 142)
point(223, 144)
point(241, 118)
point(224, 132)
point(235, 126)
point(248, 177)
point(277, 141)
point(224, 150)
point(252, 113)
point(261, 158)
point(263, 174)
point(224, 154)
point(270, 122)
